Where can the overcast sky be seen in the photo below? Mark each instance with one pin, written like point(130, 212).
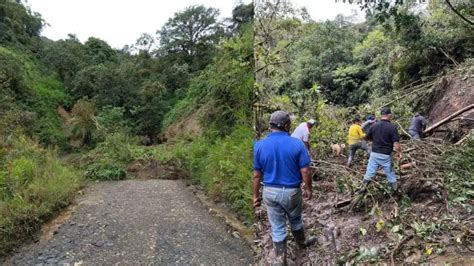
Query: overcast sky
point(121, 22)
point(321, 10)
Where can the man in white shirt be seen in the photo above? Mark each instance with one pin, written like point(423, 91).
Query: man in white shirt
point(302, 132)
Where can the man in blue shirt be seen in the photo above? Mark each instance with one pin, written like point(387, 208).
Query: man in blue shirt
point(283, 163)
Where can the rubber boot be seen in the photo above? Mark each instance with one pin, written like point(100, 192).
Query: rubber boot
point(363, 188)
point(301, 241)
point(280, 253)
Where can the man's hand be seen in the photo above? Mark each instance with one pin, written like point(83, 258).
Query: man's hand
point(308, 187)
point(308, 193)
point(399, 156)
point(398, 149)
point(257, 177)
point(257, 202)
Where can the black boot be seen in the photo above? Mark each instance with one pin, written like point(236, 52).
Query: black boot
point(363, 188)
point(301, 241)
point(280, 253)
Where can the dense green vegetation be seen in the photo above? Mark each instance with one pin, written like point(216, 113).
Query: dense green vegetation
point(358, 66)
point(220, 159)
point(97, 106)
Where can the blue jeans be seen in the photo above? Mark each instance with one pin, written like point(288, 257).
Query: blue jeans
point(283, 203)
point(384, 161)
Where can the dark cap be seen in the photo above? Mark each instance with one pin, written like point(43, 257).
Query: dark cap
point(385, 111)
point(279, 119)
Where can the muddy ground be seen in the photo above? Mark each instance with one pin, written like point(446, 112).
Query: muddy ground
point(136, 222)
point(380, 228)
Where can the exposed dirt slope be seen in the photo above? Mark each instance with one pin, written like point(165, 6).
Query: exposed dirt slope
point(187, 127)
point(453, 92)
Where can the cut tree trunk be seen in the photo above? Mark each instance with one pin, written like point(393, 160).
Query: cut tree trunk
point(447, 119)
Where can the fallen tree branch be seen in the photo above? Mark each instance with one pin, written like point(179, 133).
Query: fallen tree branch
point(338, 165)
point(449, 57)
point(403, 130)
point(447, 119)
point(462, 140)
point(457, 13)
point(395, 250)
point(419, 87)
point(409, 150)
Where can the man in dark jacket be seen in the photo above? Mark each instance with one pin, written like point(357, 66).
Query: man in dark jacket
point(283, 163)
point(369, 121)
point(417, 125)
point(384, 136)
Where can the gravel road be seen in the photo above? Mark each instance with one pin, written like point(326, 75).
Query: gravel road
point(138, 222)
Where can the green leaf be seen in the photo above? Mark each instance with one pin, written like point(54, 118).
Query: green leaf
point(363, 231)
point(396, 228)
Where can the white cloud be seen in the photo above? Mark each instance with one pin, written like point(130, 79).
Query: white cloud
point(321, 10)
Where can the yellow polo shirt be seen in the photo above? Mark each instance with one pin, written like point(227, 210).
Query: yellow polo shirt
point(355, 134)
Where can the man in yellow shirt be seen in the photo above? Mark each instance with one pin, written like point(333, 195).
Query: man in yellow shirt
point(356, 140)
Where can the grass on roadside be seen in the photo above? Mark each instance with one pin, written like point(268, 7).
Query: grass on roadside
point(34, 185)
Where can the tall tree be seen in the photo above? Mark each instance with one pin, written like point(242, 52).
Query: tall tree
point(241, 14)
point(144, 43)
point(18, 23)
point(192, 33)
point(99, 52)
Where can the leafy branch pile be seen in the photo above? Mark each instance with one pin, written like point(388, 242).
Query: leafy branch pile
point(431, 216)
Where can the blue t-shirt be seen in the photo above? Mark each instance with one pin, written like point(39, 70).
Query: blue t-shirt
point(280, 157)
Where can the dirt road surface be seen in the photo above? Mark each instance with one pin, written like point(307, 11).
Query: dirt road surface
point(134, 223)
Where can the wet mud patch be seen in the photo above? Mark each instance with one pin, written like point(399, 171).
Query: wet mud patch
point(414, 226)
point(51, 228)
point(153, 169)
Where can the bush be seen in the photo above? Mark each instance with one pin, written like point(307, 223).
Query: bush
point(109, 158)
point(34, 184)
point(111, 120)
point(223, 168)
point(330, 128)
point(108, 161)
point(459, 169)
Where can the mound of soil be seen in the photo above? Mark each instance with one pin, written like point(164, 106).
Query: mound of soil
point(187, 127)
point(452, 93)
point(153, 169)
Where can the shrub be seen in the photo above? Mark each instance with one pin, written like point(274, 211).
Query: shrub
point(108, 161)
point(459, 168)
point(223, 168)
point(330, 129)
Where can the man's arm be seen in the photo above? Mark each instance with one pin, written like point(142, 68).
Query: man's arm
point(307, 181)
point(257, 178)
point(368, 135)
point(307, 145)
point(423, 124)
